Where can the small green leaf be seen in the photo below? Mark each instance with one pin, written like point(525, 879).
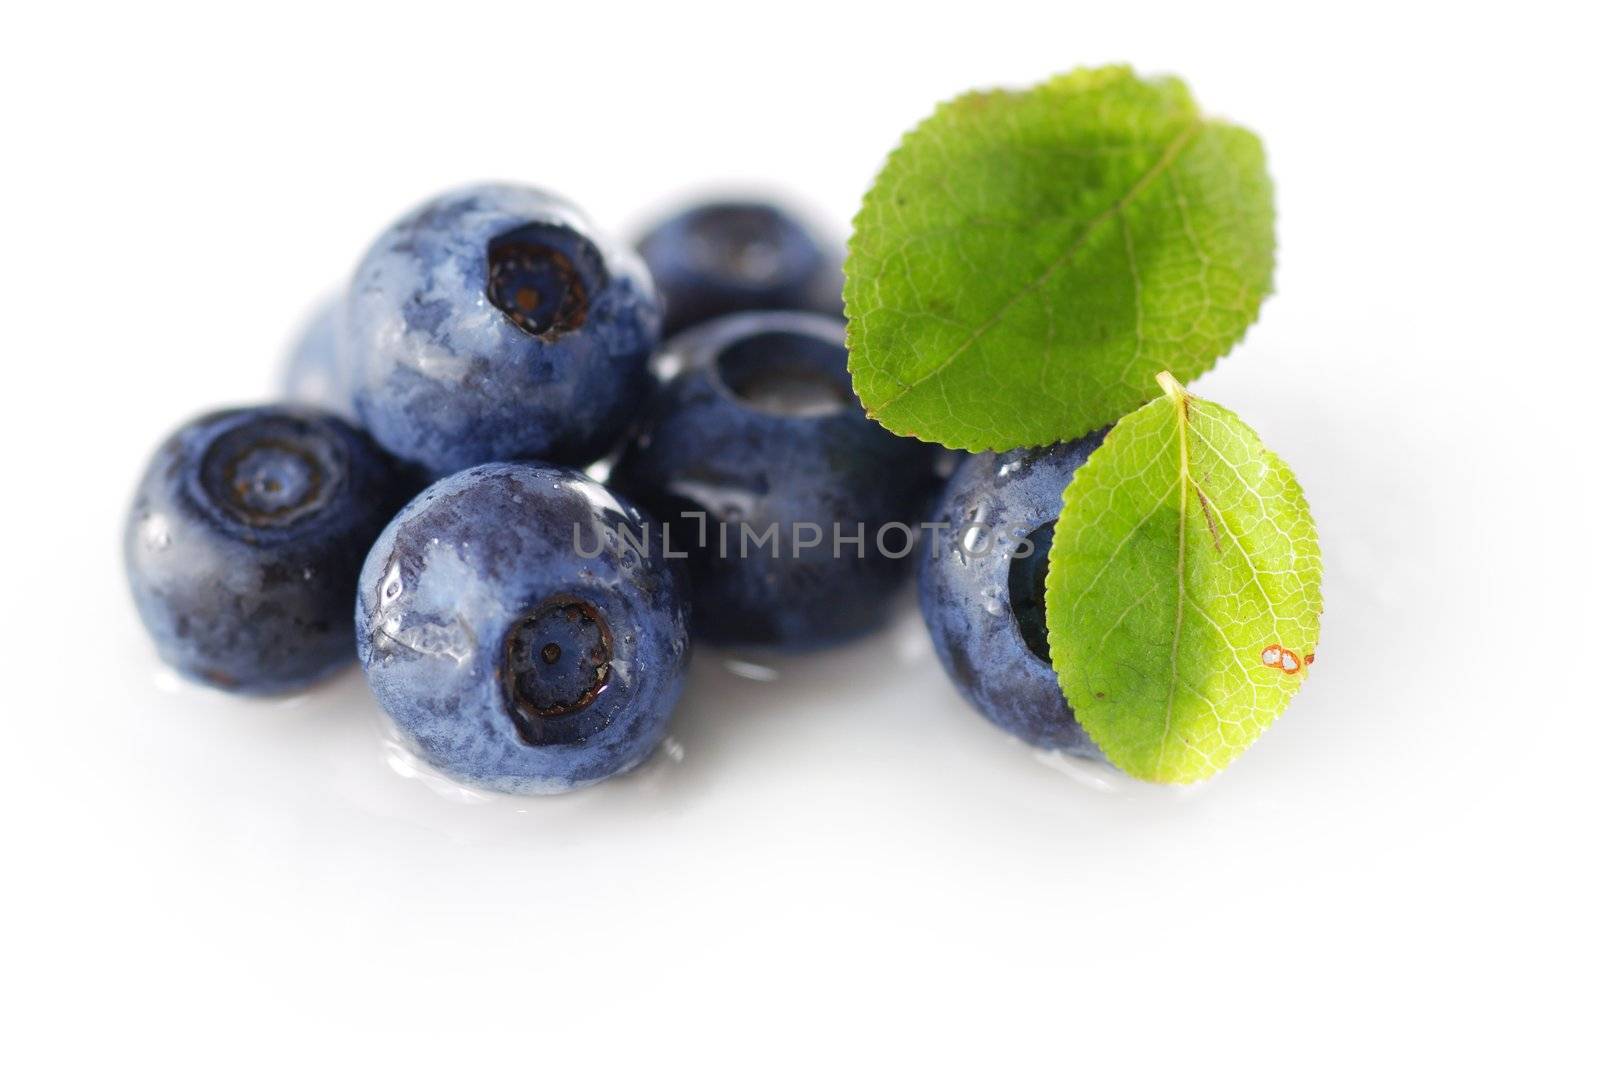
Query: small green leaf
point(1184, 589)
point(1026, 261)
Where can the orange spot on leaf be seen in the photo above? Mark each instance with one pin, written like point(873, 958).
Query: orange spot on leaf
point(1277, 656)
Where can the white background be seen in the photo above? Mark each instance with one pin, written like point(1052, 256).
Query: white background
point(845, 864)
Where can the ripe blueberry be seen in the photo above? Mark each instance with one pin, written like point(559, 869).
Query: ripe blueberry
point(981, 586)
point(515, 635)
point(315, 372)
point(770, 477)
point(739, 256)
point(494, 323)
point(245, 538)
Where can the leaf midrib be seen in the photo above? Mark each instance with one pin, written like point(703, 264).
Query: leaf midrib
point(1181, 404)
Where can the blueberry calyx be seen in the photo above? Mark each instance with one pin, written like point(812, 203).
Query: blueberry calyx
point(536, 283)
point(557, 663)
point(786, 373)
point(271, 473)
point(1026, 588)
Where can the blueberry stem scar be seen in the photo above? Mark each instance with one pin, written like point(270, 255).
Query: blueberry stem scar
point(557, 662)
point(537, 287)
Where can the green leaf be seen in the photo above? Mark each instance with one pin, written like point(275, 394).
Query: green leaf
point(1184, 552)
point(1027, 261)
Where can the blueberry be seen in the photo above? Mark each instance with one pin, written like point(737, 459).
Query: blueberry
point(753, 436)
point(494, 323)
point(740, 256)
point(245, 539)
point(981, 584)
point(515, 634)
point(315, 373)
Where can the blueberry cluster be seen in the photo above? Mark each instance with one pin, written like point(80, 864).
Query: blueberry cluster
point(526, 626)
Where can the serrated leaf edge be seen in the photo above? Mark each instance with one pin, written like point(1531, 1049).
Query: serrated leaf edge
point(1169, 156)
point(1176, 393)
point(851, 324)
point(852, 329)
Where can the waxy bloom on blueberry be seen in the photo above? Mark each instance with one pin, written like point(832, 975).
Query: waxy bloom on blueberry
point(245, 538)
point(796, 511)
point(315, 372)
point(981, 585)
point(505, 656)
point(494, 323)
point(720, 257)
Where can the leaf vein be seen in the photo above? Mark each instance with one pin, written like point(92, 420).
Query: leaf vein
point(1167, 159)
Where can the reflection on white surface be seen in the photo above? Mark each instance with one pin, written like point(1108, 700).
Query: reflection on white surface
point(809, 679)
point(410, 766)
point(750, 671)
point(1107, 779)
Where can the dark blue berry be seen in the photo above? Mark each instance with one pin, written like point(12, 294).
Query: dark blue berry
point(753, 447)
point(981, 584)
point(315, 372)
point(515, 634)
point(740, 256)
point(245, 538)
point(495, 323)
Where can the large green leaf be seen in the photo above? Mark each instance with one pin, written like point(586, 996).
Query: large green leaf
point(1184, 589)
point(1027, 261)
